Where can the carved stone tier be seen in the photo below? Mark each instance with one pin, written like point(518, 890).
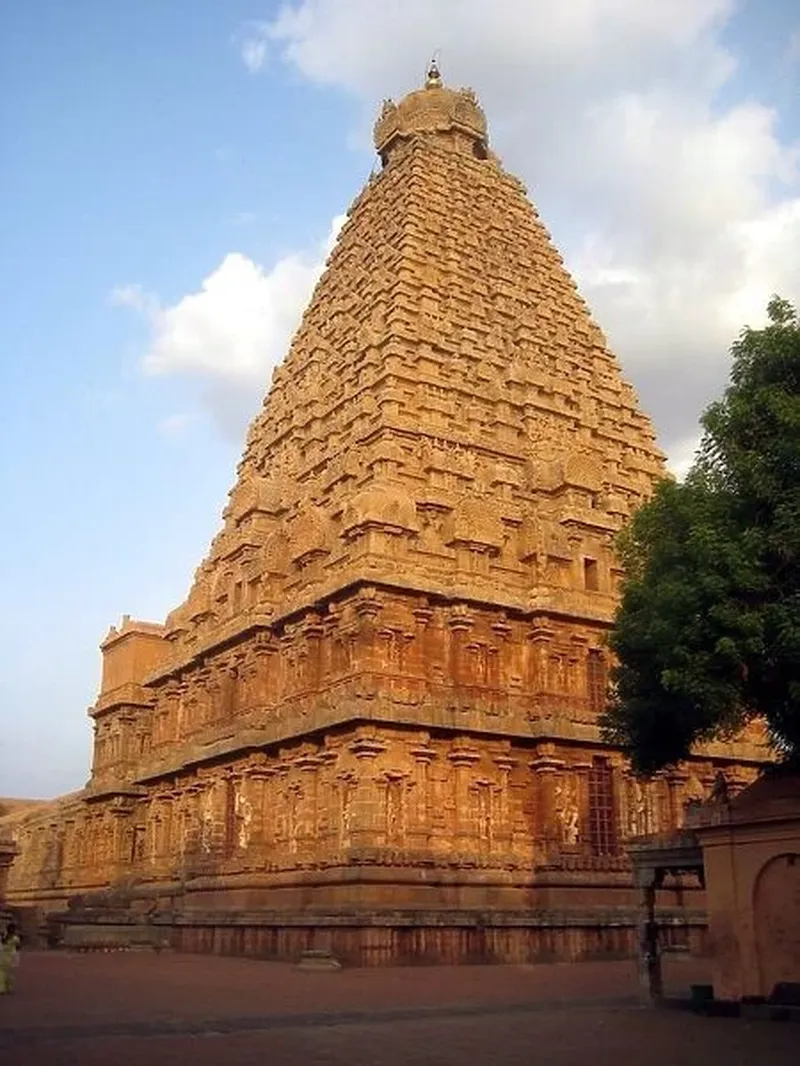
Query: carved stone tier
point(381, 692)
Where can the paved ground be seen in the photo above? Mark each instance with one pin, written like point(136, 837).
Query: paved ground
point(116, 1010)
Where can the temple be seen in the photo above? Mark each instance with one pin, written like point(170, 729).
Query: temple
point(371, 726)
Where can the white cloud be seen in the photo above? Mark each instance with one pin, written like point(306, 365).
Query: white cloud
point(230, 332)
point(678, 208)
point(135, 297)
point(176, 425)
point(254, 46)
point(682, 455)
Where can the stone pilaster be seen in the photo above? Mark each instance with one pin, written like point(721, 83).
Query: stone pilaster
point(463, 758)
point(547, 768)
point(502, 833)
point(365, 807)
point(420, 827)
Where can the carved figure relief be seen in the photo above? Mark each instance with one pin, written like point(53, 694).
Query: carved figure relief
point(394, 788)
point(482, 794)
point(346, 788)
point(640, 810)
point(207, 820)
point(568, 810)
point(243, 810)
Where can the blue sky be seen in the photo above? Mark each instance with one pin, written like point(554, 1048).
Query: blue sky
point(136, 140)
point(139, 148)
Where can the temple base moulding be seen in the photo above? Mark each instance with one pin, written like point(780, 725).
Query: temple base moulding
point(385, 939)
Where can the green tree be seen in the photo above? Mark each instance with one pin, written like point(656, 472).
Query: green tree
point(707, 635)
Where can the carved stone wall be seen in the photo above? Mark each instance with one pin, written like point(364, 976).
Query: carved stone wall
point(383, 686)
point(370, 796)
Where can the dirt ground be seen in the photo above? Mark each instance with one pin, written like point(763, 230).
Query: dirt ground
point(165, 1009)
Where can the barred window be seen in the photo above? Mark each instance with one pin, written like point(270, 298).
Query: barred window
point(596, 681)
point(603, 835)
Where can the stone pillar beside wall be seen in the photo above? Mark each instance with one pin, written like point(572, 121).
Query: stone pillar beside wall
point(308, 763)
point(419, 823)
point(462, 759)
point(676, 782)
point(328, 815)
point(547, 769)
point(365, 805)
point(120, 811)
point(502, 836)
point(261, 837)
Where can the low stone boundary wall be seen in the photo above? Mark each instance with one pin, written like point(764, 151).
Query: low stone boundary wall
point(385, 939)
point(101, 936)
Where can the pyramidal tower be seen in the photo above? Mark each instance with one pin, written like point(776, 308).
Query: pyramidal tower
point(448, 426)
point(372, 724)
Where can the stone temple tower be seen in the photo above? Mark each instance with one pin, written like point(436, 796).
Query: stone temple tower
point(372, 723)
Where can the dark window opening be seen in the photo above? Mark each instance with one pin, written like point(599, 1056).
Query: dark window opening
point(590, 575)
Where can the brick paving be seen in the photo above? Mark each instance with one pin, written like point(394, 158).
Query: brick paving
point(174, 1009)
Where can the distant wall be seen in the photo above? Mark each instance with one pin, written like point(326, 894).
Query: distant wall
point(752, 865)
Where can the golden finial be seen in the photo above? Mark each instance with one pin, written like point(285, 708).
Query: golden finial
point(433, 78)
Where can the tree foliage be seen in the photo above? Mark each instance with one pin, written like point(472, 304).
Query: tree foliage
point(707, 635)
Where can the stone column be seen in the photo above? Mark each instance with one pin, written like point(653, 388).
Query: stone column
point(364, 818)
point(266, 829)
point(346, 783)
point(181, 724)
point(267, 691)
point(367, 608)
point(328, 806)
point(308, 763)
point(650, 977)
point(421, 644)
point(120, 813)
point(421, 828)
point(207, 822)
point(501, 656)
point(202, 706)
point(460, 624)
point(170, 699)
point(462, 759)
point(540, 639)
point(190, 824)
point(547, 769)
point(127, 724)
point(503, 828)
point(313, 633)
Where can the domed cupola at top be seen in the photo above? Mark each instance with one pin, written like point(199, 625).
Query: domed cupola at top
point(433, 110)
